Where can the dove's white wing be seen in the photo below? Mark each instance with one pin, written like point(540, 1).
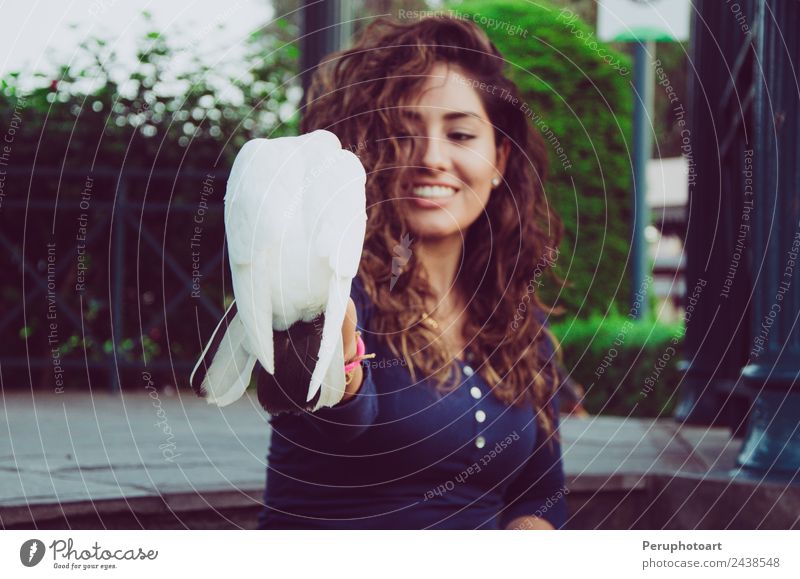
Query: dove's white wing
point(230, 371)
point(340, 231)
point(247, 184)
point(253, 297)
point(263, 194)
point(264, 183)
point(346, 209)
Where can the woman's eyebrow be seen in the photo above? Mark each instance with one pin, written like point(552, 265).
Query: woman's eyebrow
point(448, 116)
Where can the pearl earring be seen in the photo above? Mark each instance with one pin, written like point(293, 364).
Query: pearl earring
point(495, 181)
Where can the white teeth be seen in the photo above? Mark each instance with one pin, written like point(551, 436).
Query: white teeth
point(435, 191)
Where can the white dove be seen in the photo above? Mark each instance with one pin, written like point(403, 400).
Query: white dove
point(295, 220)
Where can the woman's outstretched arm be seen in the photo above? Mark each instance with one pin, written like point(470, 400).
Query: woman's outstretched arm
point(358, 408)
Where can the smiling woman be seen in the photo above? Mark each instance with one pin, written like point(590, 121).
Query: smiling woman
point(455, 182)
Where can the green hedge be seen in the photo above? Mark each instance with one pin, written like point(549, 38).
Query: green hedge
point(587, 104)
point(627, 367)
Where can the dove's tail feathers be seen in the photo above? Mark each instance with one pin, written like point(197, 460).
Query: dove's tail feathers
point(223, 371)
point(196, 379)
point(331, 349)
point(332, 389)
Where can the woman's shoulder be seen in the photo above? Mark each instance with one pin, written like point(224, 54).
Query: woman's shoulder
point(543, 317)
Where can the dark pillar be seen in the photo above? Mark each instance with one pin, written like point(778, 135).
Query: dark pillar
point(325, 28)
point(718, 218)
point(772, 444)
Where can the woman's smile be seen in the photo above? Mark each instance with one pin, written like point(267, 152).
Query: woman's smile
point(433, 195)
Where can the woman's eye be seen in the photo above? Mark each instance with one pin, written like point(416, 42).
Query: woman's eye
point(461, 136)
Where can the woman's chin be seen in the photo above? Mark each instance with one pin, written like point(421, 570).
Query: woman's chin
point(423, 229)
point(437, 223)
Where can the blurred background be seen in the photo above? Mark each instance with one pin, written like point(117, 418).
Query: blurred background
point(673, 150)
point(126, 119)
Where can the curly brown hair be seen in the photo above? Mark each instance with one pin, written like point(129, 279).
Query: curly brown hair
point(358, 95)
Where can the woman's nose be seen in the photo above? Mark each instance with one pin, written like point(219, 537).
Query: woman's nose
point(435, 156)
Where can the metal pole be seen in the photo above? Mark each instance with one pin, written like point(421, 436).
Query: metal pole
point(643, 80)
point(118, 273)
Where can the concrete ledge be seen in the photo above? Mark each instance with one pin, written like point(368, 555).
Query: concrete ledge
point(723, 502)
point(92, 462)
point(208, 509)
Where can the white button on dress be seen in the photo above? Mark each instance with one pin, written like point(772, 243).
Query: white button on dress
point(480, 416)
point(480, 442)
point(468, 370)
point(475, 392)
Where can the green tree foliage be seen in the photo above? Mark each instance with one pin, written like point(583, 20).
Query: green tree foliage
point(164, 131)
point(172, 109)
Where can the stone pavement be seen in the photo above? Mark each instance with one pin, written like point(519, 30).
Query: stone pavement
point(133, 461)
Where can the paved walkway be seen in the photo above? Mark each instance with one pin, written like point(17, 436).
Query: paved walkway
point(75, 447)
point(75, 451)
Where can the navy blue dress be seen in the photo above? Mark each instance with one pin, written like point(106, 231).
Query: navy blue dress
point(400, 455)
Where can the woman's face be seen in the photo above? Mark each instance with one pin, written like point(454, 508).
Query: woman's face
point(451, 187)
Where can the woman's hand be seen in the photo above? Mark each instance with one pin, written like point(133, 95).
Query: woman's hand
point(296, 351)
point(529, 523)
point(349, 342)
